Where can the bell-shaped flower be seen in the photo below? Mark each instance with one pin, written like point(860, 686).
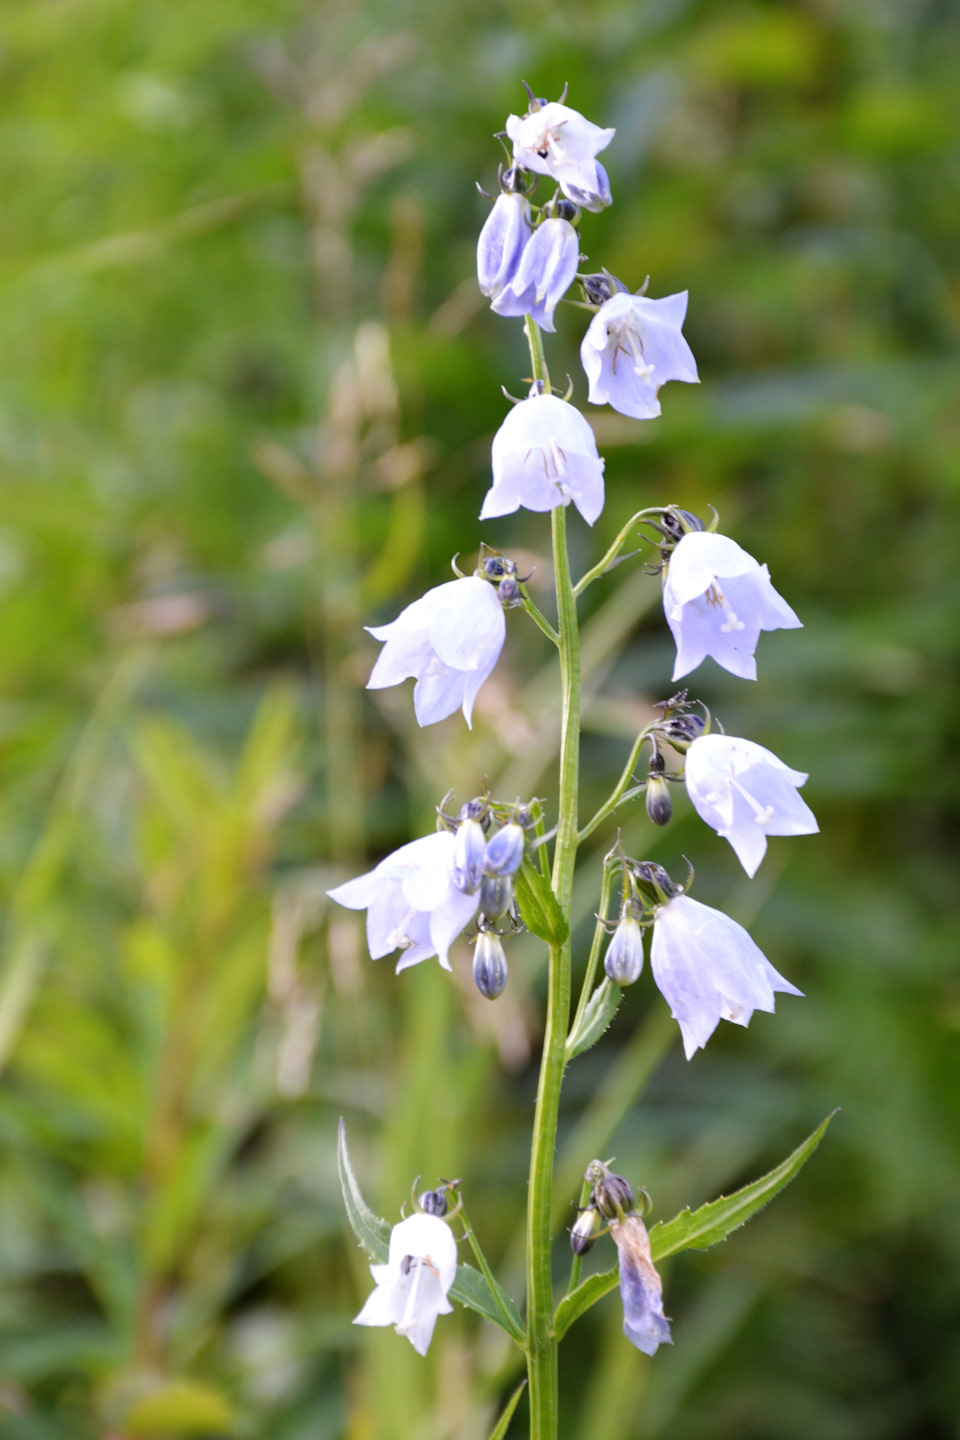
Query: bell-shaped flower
point(469, 854)
point(502, 242)
point(641, 1288)
point(633, 345)
point(717, 599)
point(745, 793)
point(557, 141)
point(544, 455)
point(449, 640)
point(543, 275)
point(708, 969)
point(412, 902)
point(413, 1286)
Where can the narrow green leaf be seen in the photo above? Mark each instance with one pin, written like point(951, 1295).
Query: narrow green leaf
point(472, 1290)
point(538, 906)
point(507, 1416)
point(598, 1013)
point(372, 1232)
point(695, 1229)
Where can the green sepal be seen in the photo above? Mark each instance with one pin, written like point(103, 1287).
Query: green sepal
point(469, 1287)
point(507, 1416)
point(539, 910)
point(597, 1015)
point(695, 1229)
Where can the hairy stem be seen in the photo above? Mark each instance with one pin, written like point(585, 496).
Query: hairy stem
point(542, 1348)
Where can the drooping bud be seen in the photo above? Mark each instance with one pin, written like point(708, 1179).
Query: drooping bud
point(496, 896)
point(682, 730)
point(654, 881)
point(659, 804)
point(611, 1193)
point(624, 958)
point(598, 289)
point(466, 865)
point(509, 591)
point(489, 965)
point(496, 565)
point(582, 1232)
point(433, 1202)
point(504, 853)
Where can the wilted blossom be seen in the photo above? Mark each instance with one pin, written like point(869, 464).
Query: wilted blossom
point(633, 345)
point(543, 273)
point(502, 241)
point(450, 640)
point(641, 1288)
point(717, 599)
point(557, 141)
point(413, 1286)
point(745, 793)
point(708, 969)
point(412, 902)
point(544, 455)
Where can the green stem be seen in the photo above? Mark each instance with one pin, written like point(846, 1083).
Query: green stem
point(604, 565)
point(619, 790)
point(536, 615)
point(576, 1264)
point(542, 1348)
point(609, 866)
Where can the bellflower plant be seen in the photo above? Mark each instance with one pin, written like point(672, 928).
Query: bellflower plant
point(499, 865)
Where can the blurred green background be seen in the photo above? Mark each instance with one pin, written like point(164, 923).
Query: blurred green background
point(247, 389)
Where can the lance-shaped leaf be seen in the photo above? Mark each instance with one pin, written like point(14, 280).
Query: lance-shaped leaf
point(373, 1233)
point(539, 910)
point(504, 1421)
point(597, 1015)
point(695, 1229)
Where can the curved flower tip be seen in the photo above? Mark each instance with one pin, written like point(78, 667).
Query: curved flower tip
point(544, 455)
point(412, 902)
point(633, 345)
point(641, 1288)
point(542, 275)
point(449, 640)
point(413, 1286)
point(558, 141)
point(717, 599)
point(708, 969)
point(745, 793)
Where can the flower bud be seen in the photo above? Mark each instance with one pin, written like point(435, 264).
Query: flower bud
point(598, 289)
point(494, 566)
point(624, 958)
point(466, 865)
point(496, 896)
point(581, 1233)
point(611, 1194)
point(659, 804)
point(509, 591)
point(682, 730)
point(504, 853)
point(654, 881)
point(433, 1202)
point(489, 965)
point(565, 210)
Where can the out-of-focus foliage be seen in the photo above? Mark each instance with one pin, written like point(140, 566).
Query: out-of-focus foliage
point(247, 387)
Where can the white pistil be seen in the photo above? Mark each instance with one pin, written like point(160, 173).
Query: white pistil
point(762, 814)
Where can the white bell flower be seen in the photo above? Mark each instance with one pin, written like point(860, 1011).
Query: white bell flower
point(543, 274)
point(717, 599)
point(633, 345)
point(708, 969)
point(745, 793)
point(502, 242)
point(412, 902)
point(413, 1286)
point(557, 141)
point(544, 455)
point(449, 640)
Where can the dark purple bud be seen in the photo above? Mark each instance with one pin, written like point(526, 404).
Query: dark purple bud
point(489, 965)
point(433, 1202)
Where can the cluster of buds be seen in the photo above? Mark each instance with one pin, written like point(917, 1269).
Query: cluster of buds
point(611, 1210)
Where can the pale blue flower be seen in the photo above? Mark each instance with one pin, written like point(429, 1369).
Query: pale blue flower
point(557, 141)
point(641, 1289)
point(449, 640)
point(745, 793)
point(544, 274)
point(717, 599)
point(413, 1286)
point(633, 345)
point(708, 969)
point(544, 455)
point(502, 242)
